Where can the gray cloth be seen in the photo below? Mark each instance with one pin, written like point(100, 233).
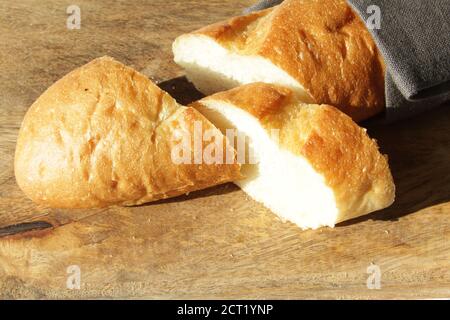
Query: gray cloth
point(263, 4)
point(414, 39)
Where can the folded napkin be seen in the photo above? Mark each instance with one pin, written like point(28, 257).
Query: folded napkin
point(414, 39)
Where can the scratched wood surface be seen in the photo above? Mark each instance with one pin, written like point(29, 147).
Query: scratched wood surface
point(215, 243)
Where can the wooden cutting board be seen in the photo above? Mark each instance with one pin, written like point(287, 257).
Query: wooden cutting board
point(215, 243)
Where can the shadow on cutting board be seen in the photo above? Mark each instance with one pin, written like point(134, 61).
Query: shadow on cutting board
point(181, 89)
point(419, 157)
point(418, 151)
point(204, 193)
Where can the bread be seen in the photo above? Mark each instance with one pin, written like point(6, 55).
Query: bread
point(319, 48)
point(315, 166)
point(103, 135)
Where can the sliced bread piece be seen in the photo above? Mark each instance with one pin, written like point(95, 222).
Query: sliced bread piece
point(103, 135)
point(315, 166)
point(319, 48)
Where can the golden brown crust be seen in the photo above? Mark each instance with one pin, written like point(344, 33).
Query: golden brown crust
point(322, 44)
point(333, 144)
point(259, 99)
point(103, 135)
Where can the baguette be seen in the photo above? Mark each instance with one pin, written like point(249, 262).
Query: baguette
point(319, 48)
point(320, 168)
point(102, 135)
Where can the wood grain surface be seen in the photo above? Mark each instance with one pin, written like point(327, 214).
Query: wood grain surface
point(214, 243)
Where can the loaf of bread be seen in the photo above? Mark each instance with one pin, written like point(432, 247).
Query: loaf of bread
point(103, 135)
point(319, 48)
point(312, 164)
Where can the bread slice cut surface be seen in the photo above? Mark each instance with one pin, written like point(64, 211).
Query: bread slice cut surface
point(320, 49)
point(312, 165)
